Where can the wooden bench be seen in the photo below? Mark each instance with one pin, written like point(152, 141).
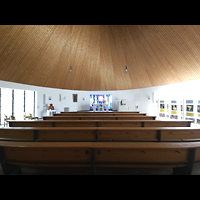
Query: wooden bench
point(112, 112)
point(100, 134)
point(179, 156)
point(100, 123)
point(100, 114)
point(99, 118)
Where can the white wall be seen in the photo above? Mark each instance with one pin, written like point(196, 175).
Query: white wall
point(183, 90)
point(66, 97)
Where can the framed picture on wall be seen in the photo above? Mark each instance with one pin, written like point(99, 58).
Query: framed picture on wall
point(189, 108)
point(174, 107)
point(75, 97)
point(162, 106)
point(198, 108)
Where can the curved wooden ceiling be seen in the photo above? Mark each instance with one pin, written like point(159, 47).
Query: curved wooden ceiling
point(156, 55)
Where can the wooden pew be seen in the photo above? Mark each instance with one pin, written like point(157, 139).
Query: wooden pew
point(100, 134)
point(112, 112)
point(100, 114)
point(179, 156)
point(99, 118)
point(100, 123)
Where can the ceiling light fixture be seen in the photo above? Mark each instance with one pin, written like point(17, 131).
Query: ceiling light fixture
point(71, 69)
point(126, 69)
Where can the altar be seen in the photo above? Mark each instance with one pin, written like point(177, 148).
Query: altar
point(100, 107)
point(50, 112)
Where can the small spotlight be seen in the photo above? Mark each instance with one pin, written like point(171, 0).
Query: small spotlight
point(126, 69)
point(71, 69)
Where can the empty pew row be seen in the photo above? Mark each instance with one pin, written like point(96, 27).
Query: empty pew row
point(100, 123)
point(179, 156)
point(99, 118)
point(112, 112)
point(100, 114)
point(100, 134)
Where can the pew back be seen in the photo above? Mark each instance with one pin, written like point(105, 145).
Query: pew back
point(100, 123)
point(109, 112)
point(179, 156)
point(100, 114)
point(100, 134)
point(99, 118)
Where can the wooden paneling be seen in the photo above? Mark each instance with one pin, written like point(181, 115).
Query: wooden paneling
point(155, 55)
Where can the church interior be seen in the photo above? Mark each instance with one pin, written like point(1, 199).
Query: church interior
point(99, 99)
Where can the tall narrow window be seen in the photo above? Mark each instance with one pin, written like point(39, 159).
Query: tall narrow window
point(34, 104)
point(24, 101)
point(29, 102)
point(13, 96)
point(6, 103)
point(16, 102)
point(19, 104)
point(44, 99)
